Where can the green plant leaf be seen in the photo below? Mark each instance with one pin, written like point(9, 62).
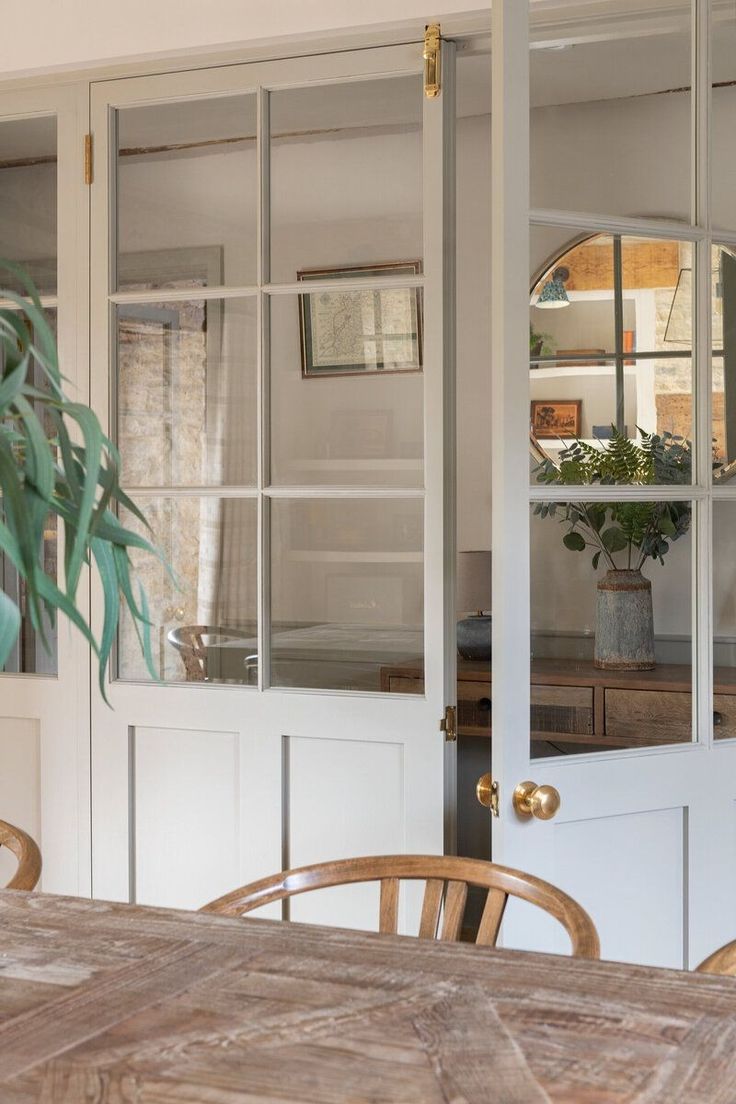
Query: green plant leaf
point(9, 626)
point(574, 541)
point(614, 539)
point(47, 471)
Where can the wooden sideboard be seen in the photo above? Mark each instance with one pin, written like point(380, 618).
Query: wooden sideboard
point(576, 707)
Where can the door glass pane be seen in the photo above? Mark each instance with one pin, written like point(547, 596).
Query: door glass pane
point(204, 623)
point(724, 620)
point(347, 389)
point(347, 582)
point(28, 199)
point(611, 345)
point(724, 362)
point(187, 190)
point(346, 175)
point(723, 62)
point(610, 112)
point(611, 631)
point(187, 405)
point(35, 653)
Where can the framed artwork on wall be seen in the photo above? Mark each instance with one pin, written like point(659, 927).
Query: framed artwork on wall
point(556, 418)
point(361, 331)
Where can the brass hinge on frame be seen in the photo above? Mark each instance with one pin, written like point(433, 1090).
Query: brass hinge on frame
point(448, 724)
point(432, 60)
point(88, 159)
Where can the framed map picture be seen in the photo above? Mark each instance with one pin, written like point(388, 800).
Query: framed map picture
point(361, 331)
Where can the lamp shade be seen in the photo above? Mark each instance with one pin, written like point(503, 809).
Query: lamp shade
point(473, 581)
point(553, 294)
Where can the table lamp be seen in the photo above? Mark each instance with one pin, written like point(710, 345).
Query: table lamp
point(474, 594)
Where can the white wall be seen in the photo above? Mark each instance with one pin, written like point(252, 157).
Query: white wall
point(79, 33)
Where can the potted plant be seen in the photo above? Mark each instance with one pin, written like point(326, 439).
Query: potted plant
point(540, 344)
point(56, 460)
point(622, 535)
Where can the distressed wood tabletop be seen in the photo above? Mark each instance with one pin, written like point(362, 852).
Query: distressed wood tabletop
point(116, 1004)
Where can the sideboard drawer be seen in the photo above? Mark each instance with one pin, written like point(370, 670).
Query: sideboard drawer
point(402, 684)
point(649, 716)
point(724, 716)
point(473, 707)
point(562, 709)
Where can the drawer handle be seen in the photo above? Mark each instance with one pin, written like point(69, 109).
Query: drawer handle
point(717, 718)
point(485, 704)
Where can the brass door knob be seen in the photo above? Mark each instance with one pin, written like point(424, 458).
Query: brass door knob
point(542, 802)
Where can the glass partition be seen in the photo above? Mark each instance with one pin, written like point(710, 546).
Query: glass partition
point(611, 625)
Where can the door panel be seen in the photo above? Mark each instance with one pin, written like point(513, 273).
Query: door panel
point(276, 440)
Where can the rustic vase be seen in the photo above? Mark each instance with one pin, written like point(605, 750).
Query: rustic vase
point(624, 631)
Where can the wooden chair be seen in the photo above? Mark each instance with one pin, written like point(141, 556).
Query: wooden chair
point(27, 854)
point(722, 961)
point(447, 880)
point(193, 643)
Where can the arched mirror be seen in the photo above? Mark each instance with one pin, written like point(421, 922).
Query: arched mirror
point(611, 339)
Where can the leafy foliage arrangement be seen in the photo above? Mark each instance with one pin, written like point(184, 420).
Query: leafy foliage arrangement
point(639, 530)
point(56, 460)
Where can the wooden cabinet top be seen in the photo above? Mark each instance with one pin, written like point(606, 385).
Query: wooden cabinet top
point(581, 672)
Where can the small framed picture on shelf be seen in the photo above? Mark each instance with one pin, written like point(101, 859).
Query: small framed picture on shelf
point(360, 332)
point(556, 418)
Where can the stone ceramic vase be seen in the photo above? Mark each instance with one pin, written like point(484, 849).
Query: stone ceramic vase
point(624, 631)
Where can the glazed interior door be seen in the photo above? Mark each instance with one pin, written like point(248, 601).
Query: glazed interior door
point(634, 732)
point(44, 691)
point(292, 450)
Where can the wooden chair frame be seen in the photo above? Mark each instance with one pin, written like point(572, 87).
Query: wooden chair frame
point(26, 852)
point(722, 961)
point(447, 880)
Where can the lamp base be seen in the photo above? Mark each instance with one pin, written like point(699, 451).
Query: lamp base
point(474, 637)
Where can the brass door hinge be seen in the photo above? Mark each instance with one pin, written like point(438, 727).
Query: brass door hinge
point(88, 159)
point(448, 724)
point(432, 60)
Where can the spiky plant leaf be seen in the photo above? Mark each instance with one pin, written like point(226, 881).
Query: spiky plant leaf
point(55, 460)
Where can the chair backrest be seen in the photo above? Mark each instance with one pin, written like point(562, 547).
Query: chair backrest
point(187, 639)
point(27, 854)
point(447, 880)
point(722, 961)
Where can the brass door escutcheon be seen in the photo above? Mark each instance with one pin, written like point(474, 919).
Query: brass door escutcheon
point(487, 793)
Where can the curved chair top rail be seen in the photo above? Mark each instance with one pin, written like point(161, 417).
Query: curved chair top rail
point(722, 961)
point(447, 878)
point(26, 852)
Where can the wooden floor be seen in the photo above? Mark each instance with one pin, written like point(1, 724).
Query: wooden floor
point(110, 1004)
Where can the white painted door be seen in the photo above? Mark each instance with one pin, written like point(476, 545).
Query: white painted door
point(644, 838)
point(44, 695)
point(293, 452)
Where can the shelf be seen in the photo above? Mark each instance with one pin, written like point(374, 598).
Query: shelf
point(355, 557)
point(577, 370)
point(359, 465)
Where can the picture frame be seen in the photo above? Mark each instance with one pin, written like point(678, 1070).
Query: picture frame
point(554, 418)
point(361, 332)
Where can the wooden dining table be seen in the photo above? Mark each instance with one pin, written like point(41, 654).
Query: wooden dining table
point(118, 1004)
